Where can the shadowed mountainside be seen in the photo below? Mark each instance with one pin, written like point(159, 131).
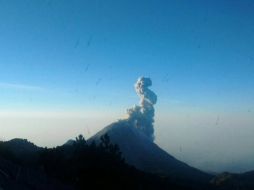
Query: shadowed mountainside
point(141, 152)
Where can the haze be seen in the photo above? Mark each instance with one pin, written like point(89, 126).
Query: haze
point(69, 67)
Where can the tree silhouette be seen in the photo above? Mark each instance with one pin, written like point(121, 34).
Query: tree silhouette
point(84, 165)
point(80, 141)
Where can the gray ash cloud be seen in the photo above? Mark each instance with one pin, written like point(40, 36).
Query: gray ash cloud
point(142, 116)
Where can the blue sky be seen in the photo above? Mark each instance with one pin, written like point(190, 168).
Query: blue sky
point(81, 56)
point(84, 48)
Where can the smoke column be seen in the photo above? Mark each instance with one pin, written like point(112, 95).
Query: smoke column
point(142, 116)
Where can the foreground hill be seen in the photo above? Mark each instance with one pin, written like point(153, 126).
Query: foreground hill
point(15, 176)
point(82, 165)
point(77, 166)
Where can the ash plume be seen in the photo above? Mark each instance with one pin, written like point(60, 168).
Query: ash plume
point(142, 116)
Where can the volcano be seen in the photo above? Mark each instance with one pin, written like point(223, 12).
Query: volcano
point(135, 138)
point(139, 151)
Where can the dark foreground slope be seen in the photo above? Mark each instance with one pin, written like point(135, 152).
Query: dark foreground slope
point(19, 169)
point(81, 165)
point(75, 166)
point(145, 155)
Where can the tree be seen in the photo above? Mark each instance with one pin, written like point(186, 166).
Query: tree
point(105, 142)
point(80, 140)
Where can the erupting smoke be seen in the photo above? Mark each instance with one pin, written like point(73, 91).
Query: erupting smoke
point(142, 116)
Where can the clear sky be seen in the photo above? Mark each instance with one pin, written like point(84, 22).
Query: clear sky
point(71, 65)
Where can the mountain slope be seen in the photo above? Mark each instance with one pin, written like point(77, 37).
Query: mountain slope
point(20, 150)
point(227, 180)
point(145, 155)
point(16, 177)
point(21, 146)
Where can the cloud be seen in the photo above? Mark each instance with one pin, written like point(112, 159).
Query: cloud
point(25, 87)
